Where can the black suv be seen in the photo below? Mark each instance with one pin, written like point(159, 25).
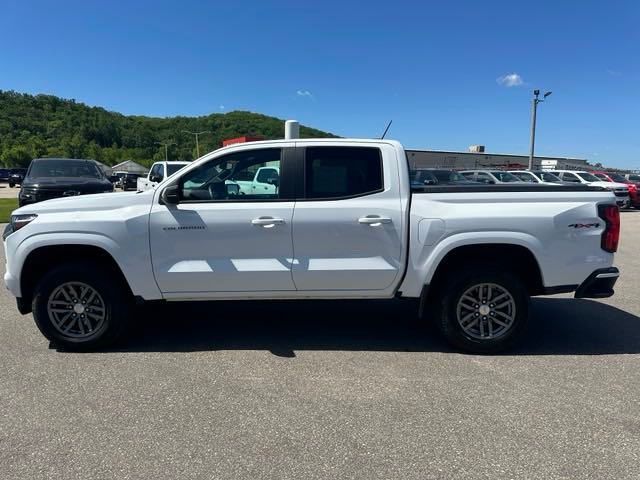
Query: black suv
point(16, 176)
point(49, 178)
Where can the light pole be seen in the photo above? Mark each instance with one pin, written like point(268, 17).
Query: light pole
point(166, 149)
point(534, 109)
point(196, 134)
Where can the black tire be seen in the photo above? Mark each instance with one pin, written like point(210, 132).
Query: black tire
point(11, 185)
point(111, 295)
point(452, 291)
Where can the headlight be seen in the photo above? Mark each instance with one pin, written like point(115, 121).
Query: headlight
point(19, 221)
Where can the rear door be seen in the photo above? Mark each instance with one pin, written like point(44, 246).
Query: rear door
point(347, 223)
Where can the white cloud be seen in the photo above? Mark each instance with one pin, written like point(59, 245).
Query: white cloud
point(221, 107)
point(614, 73)
point(304, 93)
point(510, 80)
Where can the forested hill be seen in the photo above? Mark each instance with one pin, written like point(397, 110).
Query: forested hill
point(48, 126)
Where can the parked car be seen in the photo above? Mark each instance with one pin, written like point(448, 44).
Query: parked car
point(117, 177)
point(265, 180)
point(536, 176)
point(491, 177)
point(620, 190)
point(16, 176)
point(343, 224)
point(159, 171)
point(4, 175)
point(49, 178)
point(634, 196)
point(435, 176)
point(129, 181)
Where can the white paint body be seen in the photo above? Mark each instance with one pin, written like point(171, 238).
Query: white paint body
point(145, 183)
point(372, 246)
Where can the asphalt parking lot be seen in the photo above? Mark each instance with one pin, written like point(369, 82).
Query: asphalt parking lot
point(329, 390)
point(7, 192)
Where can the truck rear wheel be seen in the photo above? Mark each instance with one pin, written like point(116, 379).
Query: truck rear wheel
point(484, 310)
point(80, 308)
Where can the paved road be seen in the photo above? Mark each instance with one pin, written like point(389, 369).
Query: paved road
point(328, 390)
point(7, 192)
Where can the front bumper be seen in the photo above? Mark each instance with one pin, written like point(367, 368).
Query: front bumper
point(599, 284)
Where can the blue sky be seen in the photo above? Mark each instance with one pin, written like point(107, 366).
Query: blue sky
point(349, 67)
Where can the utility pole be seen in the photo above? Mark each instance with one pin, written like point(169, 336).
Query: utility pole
point(534, 109)
point(197, 134)
point(166, 148)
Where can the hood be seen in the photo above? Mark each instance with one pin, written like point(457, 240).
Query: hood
point(609, 185)
point(96, 202)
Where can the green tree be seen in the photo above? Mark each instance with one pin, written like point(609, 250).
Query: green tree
point(16, 156)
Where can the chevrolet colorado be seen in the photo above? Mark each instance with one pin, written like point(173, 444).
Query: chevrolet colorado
point(343, 223)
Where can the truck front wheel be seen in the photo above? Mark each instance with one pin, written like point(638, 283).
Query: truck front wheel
point(80, 308)
point(484, 309)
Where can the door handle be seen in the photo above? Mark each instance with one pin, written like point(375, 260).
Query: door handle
point(374, 220)
point(267, 221)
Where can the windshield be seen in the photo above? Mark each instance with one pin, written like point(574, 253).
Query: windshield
point(173, 168)
point(505, 177)
point(64, 168)
point(616, 177)
point(635, 178)
point(588, 177)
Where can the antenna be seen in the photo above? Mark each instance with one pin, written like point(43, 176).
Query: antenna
point(386, 129)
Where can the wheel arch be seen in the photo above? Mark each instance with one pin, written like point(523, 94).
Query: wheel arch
point(42, 259)
point(507, 254)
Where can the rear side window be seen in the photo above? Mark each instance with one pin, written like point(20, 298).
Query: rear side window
point(338, 172)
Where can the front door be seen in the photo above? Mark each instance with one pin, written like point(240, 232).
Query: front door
point(347, 228)
point(218, 239)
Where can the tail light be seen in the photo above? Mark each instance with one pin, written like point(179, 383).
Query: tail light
point(611, 235)
point(632, 188)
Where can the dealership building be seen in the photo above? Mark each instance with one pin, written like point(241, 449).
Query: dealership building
point(476, 158)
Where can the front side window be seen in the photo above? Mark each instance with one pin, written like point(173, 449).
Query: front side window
point(548, 177)
point(525, 177)
point(634, 178)
point(338, 172)
point(484, 178)
point(505, 177)
point(235, 177)
point(156, 173)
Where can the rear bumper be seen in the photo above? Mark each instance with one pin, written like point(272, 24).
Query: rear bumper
point(599, 284)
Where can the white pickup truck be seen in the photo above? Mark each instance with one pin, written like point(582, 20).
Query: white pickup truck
point(158, 172)
point(344, 223)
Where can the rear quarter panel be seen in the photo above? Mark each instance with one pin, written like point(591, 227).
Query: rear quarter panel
point(538, 221)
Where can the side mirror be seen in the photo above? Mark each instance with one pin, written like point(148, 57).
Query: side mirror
point(155, 178)
point(429, 182)
point(275, 181)
point(171, 195)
